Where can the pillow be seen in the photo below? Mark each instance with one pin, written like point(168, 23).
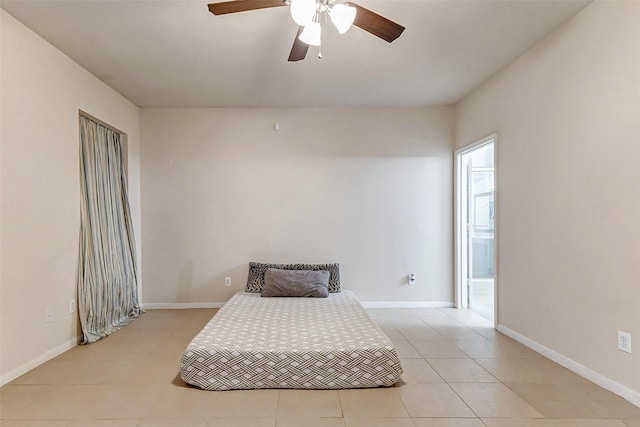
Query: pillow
point(255, 280)
point(296, 283)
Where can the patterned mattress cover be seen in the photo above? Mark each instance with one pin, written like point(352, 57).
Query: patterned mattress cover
point(310, 343)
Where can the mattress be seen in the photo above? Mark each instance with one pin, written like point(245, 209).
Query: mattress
point(308, 343)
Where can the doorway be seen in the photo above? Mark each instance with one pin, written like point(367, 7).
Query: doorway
point(475, 228)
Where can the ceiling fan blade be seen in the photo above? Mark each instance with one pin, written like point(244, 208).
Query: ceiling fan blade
point(242, 6)
point(376, 24)
point(299, 48)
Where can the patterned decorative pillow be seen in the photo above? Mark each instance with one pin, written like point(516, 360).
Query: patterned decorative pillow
point(255, 280)
point(296, 283)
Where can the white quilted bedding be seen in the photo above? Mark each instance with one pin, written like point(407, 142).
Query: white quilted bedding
point(311, 343)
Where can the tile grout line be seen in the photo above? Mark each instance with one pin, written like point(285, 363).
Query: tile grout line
point(464, 401)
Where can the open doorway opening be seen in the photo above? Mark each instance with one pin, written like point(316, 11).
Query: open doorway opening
point(475, 228)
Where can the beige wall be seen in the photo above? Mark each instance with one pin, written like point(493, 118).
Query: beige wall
point(369, 188)
point(567, 114)
point(42, 91)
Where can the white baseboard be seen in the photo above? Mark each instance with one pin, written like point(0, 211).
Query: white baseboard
point(180, 305)
point(605, 382)
point(45, 357)
point(407, 304)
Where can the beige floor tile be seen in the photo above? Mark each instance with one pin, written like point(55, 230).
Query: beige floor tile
point(116, 401)
point(489, 333)
point(467, 317)
point(131, 378)
point(420, 332)
point(372, 403)
point(392, 333)
point(438, 350)
point(69, 423)
point(75, 401)
point(192, 403)
point(158, 371)
point(309, 404)
point(87, 372)
point(247, 404)
point(192, 326)
point(43, 402)
point(534, 370)
point(172, 347)
point(448, 422)
point(172, 423)
point(455, 333)
point(419, 371)
point(551, 423)
point(37, 423)
point(406, 321)
point(433, 400)
point(461, 371)
point(183, 403)
point(17, 401)
point(440, 319)
point(106, 351)
point(424, 311)
point(494, 400)
point(95, 401)
point(103, 423)
point(584, 400)
point(51, 372)
point(405, 350)
point(247, 422)
point(161, 319)
point(310, 422)
point(132, 335)
point(487, 349)
point(379, 422)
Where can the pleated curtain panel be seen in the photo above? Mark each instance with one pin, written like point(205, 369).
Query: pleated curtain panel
point(107, 276)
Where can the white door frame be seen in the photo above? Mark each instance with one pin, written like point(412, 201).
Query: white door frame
point(460, 226)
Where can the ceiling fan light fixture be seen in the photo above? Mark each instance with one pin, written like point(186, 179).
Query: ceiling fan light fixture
point(311, 34)
point(342, 17)
point(302, 11)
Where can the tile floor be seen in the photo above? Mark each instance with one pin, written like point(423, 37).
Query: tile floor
point(459, 372)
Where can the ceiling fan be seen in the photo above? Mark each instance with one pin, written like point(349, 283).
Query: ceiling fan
point(309, 15)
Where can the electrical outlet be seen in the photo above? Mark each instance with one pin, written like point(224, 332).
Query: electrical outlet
point(227, 281)
point(624, 341)
point(412, 279)
point(72, 306)
point(48, 315)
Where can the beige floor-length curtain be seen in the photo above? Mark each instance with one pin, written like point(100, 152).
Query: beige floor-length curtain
point(107, 278)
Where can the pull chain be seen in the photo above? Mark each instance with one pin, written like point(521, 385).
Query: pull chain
point(320, 52)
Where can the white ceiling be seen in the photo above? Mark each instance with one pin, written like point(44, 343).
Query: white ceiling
point(177, 54)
